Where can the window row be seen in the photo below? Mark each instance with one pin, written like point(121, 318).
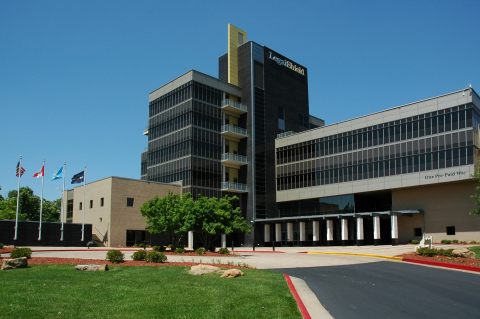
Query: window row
point(170, 139)
point(169, 153)
point(170, 99)
point(191, 118)
point(182, 176)
point(386, 134)
point(427, 145)
point(405, 165)
point(169, 168)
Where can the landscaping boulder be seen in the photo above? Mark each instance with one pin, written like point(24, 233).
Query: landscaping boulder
point(204, 269)
point(460, 252)
point(14, 263)
point(92, 267)
point(231, 273)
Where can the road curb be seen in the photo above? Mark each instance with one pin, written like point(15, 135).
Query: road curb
point(440, 264)
point(354, 254)
point(299, 301)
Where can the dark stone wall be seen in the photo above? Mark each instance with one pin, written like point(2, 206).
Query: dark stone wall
point(245, 82)
point(223, 68)
point(27, 234)
point(288, 89)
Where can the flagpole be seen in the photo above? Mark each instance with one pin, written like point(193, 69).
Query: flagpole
point(84, 183)
point(18, 196)
point(62, 206)
point(41, 203)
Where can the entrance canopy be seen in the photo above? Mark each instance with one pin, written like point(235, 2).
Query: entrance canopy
point(342, 216)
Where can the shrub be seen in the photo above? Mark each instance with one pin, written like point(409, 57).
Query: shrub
point(455, 241)
point(179, 251)
point(139, 255)
point(170, 246)
point(200, 251)
point(155, 257)
point(463, 242)
point(159, 248)
point(414, 241)
point(115, 256)
point(135, 245)
point(212, 249)
point(446, 241)
point(21, 252)
point(473, 242)
point(434, 252)
point(224, 251)
point(1, 246)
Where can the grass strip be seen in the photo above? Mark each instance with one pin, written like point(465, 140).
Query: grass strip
point(43, 291)
point(476, 250)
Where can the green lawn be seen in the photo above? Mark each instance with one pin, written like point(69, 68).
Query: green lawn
point(142, 292)
point(476, 250)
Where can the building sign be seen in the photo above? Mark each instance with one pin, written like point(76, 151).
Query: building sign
point(444, 175)
point(288, 64)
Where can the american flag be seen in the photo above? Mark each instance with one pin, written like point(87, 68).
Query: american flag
point(20, 169)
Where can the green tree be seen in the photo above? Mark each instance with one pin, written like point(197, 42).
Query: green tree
point(50, 211)
point(166, 215)
point(211, 217)
point(29, 203)
point(8, 209)
point(476, 177)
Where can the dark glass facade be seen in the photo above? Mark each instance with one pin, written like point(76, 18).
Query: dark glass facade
point(184, 139)
point(425, 142)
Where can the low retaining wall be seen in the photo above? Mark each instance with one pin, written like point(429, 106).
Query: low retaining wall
point(27, 234)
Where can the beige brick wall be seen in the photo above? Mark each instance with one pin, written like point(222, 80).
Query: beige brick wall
point(116, 217)
point(129, 218)
point(446, 204)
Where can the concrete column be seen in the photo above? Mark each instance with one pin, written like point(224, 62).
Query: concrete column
point(289, 231)
point(316, 232)
point(394, 221)
point(329, 232)
point(302, 232)
point(344, 232)
point(224, 241)
point(376, 230)
point(360, 237)
point(190, 239)
point(278, 232)
point(267, 233)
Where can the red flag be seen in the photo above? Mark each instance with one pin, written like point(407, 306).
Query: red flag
point(20, 170)
point(40, 172)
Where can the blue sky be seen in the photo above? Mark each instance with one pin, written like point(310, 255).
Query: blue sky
point(75, 75)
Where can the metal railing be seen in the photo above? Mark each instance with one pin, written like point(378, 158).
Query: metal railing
point(234, 129)
point(234, 186)
point(285, 134)
point(234, 158)
point(234, 104)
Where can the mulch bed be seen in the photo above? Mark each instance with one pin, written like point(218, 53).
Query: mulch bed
point(78, 261)
point(442, 259)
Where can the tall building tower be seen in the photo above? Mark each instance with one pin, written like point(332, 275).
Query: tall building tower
point(218, 135)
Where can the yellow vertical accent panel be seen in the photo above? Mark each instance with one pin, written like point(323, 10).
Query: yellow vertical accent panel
point(233, 174)
point(233, 120)
point(233, 147)
point(233, 52)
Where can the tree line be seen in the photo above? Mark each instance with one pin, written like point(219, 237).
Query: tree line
point(176, 215)
point(29, 206)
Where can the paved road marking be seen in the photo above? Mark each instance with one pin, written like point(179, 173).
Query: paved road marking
point(354, 254)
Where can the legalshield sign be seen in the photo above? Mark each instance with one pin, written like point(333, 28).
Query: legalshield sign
point(288, 64)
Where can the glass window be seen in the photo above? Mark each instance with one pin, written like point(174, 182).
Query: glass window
point(130, 202)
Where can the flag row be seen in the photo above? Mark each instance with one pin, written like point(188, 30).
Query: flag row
point(76, 179)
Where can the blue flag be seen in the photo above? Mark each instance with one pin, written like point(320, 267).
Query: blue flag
point(58, 174)
point(78, 178)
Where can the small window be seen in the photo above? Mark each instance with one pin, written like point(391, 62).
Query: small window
point(240, 38)
point(417, 232)
point(80, 206)
point(450, 230)
point(102, 201)
point(129, 202)
point(91, 203)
